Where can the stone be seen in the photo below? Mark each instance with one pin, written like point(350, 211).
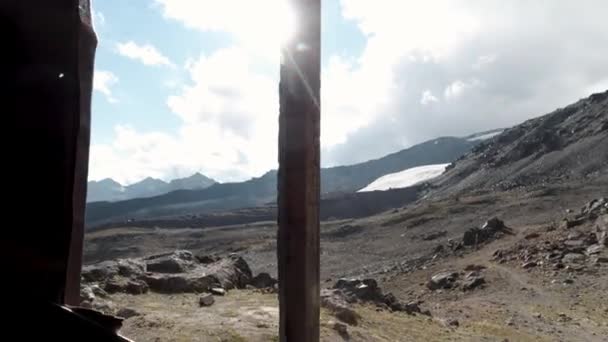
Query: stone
point(573, 258)
point(127, 313)
point(574, 243)
point(168, 264)
point(452, 322)
point(529, 264)
point(123, 285)
point(472, 283)
point(231, 272)
point(99, 271)
point(263, 280)
point(130, 267)
point(206, 300)
point(341, 328)
point(86, 294)
point(206, 258)
point(181, 283)
point(531, 236)
point(601, 230)
point(443, 280)
point(568, 281)
point(98, 291)
point(218, 291)
point(335, 301)
point(595, 249)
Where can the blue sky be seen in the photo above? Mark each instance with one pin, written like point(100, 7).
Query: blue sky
point(191, 86)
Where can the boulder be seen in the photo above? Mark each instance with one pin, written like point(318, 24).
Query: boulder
point(341, 329)
point(99, 271)
point(176, 262)
point(130, 267)
point(181, 283)
point(443, 280)
point(360, 290)
point(124, 285)
point(231, 272)
point(86, 294)
point(333, 301)
point(263, 280)
point(206, 300)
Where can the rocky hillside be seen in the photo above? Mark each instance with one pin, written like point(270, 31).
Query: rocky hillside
point(570, 143)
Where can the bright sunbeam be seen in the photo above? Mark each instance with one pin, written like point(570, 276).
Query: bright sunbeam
point(272, 27)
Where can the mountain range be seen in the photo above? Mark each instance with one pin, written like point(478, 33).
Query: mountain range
point(110, 190)
point(262, 190)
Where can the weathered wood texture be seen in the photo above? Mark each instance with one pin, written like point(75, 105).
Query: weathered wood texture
point(299, 177)
point(46, 109)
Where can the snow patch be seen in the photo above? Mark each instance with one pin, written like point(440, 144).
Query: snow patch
point(406, 178)
point(485, 136)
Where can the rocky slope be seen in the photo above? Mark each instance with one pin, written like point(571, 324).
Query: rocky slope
point(568, 144)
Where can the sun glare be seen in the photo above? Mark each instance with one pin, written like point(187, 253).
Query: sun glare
point(268, 28)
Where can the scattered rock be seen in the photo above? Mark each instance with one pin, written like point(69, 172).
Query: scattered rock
point(452, 322)
point(573, 258)
point(473, 282)
point(341, 328)
point(86, 294)
point(568, 281)
point(491, 229)
point(218, 291)
point(595, 249)
point(532, 236)
point(134, 287)
point(127, 313)
point(206, 259)
point(443, 280)
point(529, 264)
point(206, 300)
point(601, 230)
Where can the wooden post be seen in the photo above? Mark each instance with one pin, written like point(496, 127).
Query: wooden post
point(299, 177)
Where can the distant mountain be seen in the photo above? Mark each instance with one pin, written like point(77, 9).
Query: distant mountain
point(196, 181)
point(112, 191)
point(262, 190)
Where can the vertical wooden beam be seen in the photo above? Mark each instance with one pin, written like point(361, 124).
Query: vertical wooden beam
point(87, 43)
point(299, 177)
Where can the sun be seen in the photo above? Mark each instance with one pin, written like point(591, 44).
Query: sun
point(269, 26)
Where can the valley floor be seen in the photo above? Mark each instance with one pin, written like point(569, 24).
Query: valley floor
point(401, 250)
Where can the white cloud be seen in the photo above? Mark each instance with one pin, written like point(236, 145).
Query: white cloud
point(427, 98)
point(103, 81)
point(229, 127)
point(146, 54)
point(457, 88)
point(258, 26)
point(495, 66)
